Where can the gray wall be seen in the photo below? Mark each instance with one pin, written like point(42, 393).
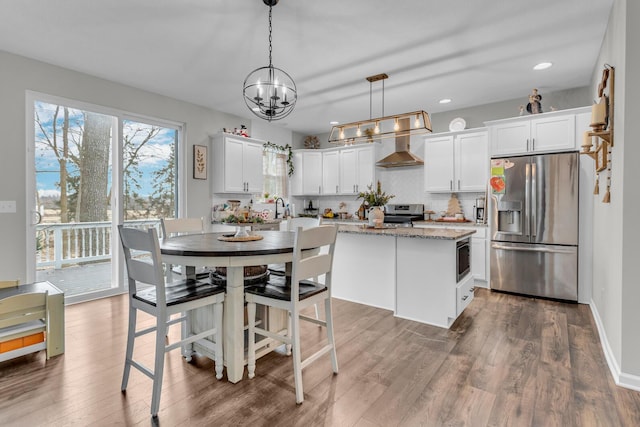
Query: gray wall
point(616, 293)
point(19, 74)
point(476, 116)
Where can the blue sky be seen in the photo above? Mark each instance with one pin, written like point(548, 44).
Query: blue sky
point(151, 157)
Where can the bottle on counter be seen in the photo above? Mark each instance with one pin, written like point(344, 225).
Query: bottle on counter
point(287, 212)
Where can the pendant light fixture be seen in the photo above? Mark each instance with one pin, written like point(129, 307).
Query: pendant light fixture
point(376, 129)
point(269, 92)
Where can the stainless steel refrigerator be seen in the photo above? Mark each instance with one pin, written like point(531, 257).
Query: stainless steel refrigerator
point(534, 225)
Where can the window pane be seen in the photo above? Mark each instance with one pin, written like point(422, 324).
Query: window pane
point(149, 171)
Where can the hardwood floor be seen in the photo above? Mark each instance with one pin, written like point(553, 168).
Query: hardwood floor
point(507, 361)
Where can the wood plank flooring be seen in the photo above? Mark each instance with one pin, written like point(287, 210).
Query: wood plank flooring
point(507, 361)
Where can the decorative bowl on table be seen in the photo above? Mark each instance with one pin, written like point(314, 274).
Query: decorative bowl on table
point(241, 223)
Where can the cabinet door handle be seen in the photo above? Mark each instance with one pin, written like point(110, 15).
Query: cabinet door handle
point(336, 189)
point(464, 298)
point(533, 144)
point(473, 289)
point(319, 189)
point(527, 144)
point(458, 184)
point(450, 184)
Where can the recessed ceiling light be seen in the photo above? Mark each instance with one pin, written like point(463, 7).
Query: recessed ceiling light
point(445, 101)
point(334, 123)
point(542, 66)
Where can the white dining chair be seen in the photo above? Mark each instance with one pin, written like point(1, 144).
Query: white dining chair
point(178, 226)
point(292, 224)
point(312, 257)
point(148, 293)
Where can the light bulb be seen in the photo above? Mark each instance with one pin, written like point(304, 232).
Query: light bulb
point(358, 132)
point(417, 122)
point(396, 126)
point(341, 133)
point(377, 128)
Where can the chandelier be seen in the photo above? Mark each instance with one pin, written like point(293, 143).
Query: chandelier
point(269, 92)
point(376, 129)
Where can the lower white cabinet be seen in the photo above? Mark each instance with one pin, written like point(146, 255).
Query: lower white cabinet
point(479, 251)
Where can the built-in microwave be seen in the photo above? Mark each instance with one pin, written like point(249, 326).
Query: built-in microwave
point(463, 259)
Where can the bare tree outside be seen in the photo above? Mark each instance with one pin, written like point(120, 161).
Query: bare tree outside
point(73, 178)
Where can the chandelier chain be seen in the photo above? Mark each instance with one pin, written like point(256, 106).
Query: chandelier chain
point(270, 29)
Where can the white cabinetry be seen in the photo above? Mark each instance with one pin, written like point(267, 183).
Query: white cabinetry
point(479, 250)
point(330, 174)
point(456, 162)
point(307, 177)
point(356, 169)
point(533, 134)
point(237, 164)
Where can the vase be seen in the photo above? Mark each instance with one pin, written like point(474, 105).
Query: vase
point(376, 216)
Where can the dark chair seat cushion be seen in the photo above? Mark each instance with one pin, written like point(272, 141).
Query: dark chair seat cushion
point(279, 287)
point(180, 292)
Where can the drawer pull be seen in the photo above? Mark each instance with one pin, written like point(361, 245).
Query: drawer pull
point(464, 298)
point(473, 289)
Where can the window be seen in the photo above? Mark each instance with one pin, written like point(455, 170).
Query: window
point(274, 169)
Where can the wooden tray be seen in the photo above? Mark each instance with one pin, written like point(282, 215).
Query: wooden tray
point(232, 238)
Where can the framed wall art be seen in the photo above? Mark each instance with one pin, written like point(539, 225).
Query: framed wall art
point(199, 162)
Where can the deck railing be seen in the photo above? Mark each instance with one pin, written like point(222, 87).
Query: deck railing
point(79, 243)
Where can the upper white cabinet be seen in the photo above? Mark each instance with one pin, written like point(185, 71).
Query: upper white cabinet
point(237, 164)
point(307, 177)
point(546, 132)
point(456, 162)
point(330, 175)
point(356, 169)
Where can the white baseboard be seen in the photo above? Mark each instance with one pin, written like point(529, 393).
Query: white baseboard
point(620, 378)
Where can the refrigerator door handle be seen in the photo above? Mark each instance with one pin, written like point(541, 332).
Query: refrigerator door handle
point(532, 249)
point(527, 198)
point(533, 200)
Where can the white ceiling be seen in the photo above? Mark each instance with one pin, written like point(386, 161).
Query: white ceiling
point(200, 51)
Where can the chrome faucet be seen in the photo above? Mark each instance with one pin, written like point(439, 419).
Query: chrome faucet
point(279, 198)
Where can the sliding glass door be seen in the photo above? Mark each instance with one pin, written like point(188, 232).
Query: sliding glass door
point(90, 170)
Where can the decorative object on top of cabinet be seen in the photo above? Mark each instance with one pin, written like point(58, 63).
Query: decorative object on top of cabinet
point(457, 124)
point(286, 149)
point(456, 162)
point(602, 129)
point(534, 106)
point(311, 142)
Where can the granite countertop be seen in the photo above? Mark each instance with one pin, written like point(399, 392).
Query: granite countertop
point(268, 221)
point(422, 233)
point(449, 223)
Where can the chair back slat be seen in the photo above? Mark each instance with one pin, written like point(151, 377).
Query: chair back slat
point(146, 267)
point(176, 226)
point(23, 308)
point(312, 256)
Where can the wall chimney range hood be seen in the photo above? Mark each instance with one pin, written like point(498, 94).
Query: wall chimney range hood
point(401, 157)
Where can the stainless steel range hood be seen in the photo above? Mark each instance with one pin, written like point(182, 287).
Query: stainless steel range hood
point(402, 157)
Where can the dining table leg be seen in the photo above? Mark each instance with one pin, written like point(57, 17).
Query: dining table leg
point(234, 324)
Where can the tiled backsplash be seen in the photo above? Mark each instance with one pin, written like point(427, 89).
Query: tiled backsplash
point(407, 184)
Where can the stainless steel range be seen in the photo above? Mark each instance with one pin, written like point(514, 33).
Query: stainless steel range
point(403, 215)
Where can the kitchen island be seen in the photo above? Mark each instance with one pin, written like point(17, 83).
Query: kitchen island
point(411, 271)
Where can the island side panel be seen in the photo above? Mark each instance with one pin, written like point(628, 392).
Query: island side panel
point(364, 269)
point(426, 285)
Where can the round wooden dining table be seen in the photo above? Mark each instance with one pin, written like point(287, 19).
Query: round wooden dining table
point(197, 250)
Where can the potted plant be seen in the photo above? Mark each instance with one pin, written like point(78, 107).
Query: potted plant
point(375, 199)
